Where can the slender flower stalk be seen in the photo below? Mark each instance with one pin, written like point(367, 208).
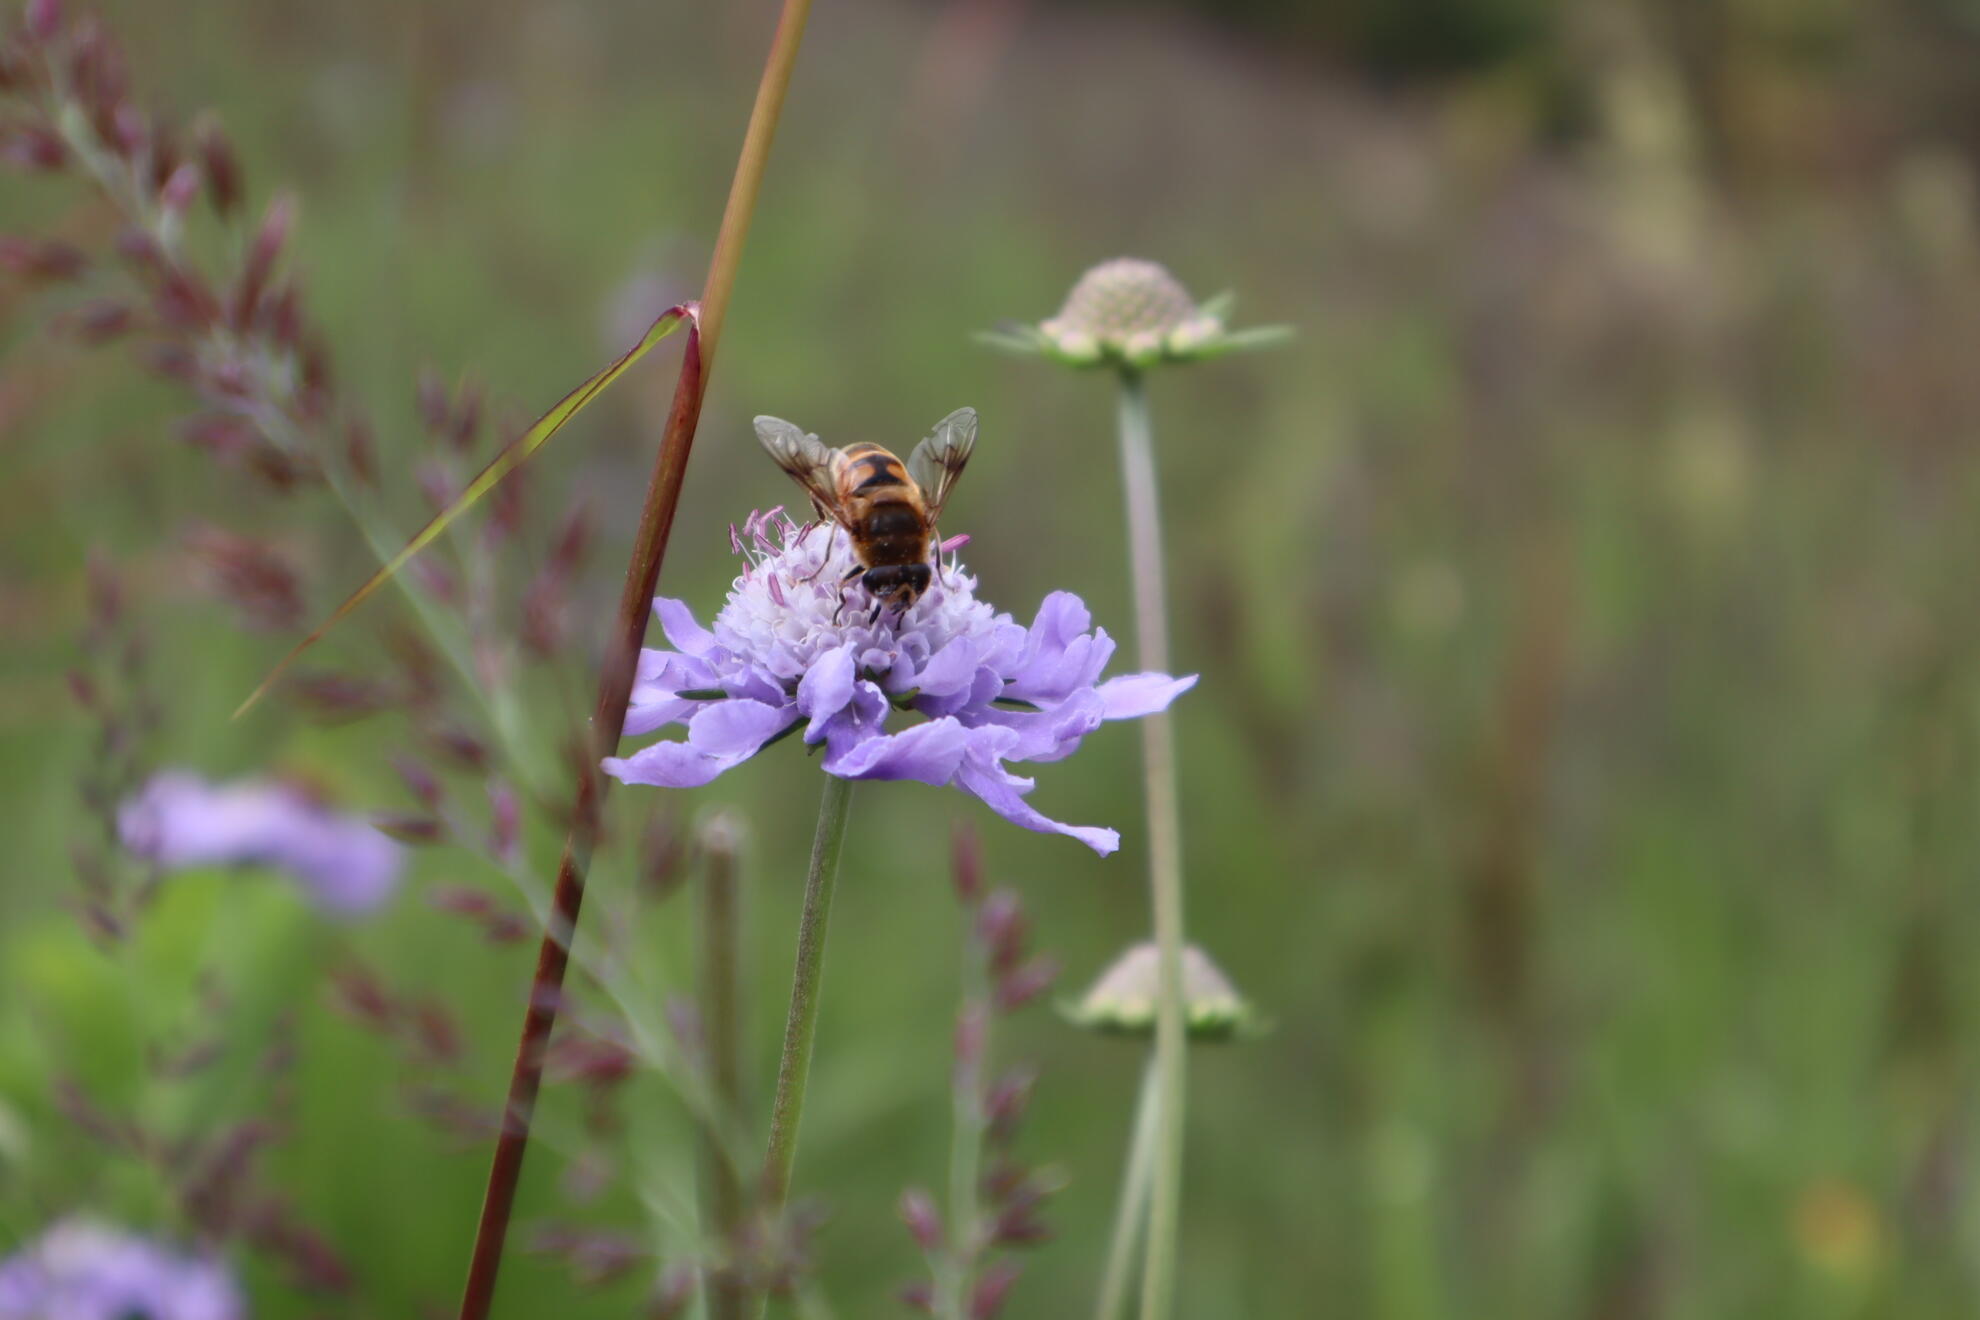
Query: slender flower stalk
point(1131, 1215)
point(720, 942)
point(1124, 1001)
point(1158, 753)
point(995, 1202)
point(801, 1025)
point(1130, 316)
point(620, 662)
point(952, 1275)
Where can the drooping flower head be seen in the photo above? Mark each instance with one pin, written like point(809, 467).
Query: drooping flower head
point(795, 652)
point(83, 1271)
point(179, 820)
point(1130, 313)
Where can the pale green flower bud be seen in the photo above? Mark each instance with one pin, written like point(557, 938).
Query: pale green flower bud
point(1131, 314)
point(1123, 1000)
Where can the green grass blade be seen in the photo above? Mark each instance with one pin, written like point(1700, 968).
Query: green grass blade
point(512, 456)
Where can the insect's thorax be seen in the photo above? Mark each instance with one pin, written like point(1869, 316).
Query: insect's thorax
point(883, 507)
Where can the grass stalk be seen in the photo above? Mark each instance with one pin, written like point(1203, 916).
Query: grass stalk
point(719, 917)
point(1158, 751)
point(1131, 1215)
point(969, 1122)
point(621, 658)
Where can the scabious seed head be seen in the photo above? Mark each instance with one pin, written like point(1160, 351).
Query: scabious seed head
point(1129, 313)
point(1124, 297)
point(1122, 1001)
point(801, 646)
point(83, 1271)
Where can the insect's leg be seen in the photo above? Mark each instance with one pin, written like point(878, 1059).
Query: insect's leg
point(823, 555)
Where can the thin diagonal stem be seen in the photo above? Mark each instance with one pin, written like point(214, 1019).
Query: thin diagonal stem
point(801, 1024)
point(656, 522)
point(720, 942)
point(1158, 752)
point(1131, 1215)
point(966, 1134)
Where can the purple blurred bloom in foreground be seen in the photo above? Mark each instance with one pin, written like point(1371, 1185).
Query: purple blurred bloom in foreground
point(178, 820)
point(785, 655)
point(81, 1271)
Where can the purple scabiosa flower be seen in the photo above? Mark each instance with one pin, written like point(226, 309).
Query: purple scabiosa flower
point(793, 651)
point(178, 820)
point(82, 1271)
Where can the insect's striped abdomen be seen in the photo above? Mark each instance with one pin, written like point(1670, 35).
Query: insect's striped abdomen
point(890, 524)
point(869, 470)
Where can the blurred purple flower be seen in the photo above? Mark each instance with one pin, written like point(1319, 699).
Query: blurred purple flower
point(178, 820)
point(81, 1271)
point(786, 653)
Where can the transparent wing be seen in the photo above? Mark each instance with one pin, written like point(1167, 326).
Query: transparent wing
point(807, 459)
point(937, 461)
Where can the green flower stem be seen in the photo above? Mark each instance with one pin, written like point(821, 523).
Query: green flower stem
point(801, 1025)
point(720, 941)
point(1158, 752)
point(1131, 1216)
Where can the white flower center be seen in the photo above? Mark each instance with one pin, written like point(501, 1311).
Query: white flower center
point(801, 598)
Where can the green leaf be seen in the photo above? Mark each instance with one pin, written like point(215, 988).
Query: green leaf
point(512, 457)
point(1220, 306)
point(1025, 340)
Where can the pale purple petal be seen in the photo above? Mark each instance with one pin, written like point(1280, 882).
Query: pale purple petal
point(825, 689)
point(677, 622)
point(1131, 696)
point(80, 1271)
point(347, 866)
point(951, 669)
point(721, 736)
point(1054, 675)
point(736, 728)
point(668, 765)
point(178, 821)
point(1003, 793)
point(1061, 617)
point(930, 753)
point(864, 717)
point(1049, 735)
point(657, 714)
point(661, 675)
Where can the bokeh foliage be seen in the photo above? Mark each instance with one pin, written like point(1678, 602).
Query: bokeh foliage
point(1584, 771)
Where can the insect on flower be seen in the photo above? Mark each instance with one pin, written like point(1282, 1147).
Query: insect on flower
point(796, 650)
point(888, 508)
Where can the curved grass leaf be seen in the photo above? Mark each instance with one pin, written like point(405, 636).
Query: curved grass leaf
point(512, 456)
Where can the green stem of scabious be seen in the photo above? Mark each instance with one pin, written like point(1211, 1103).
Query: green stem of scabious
point(1131, 1215)
point(801, 1024)
point(1158, 750)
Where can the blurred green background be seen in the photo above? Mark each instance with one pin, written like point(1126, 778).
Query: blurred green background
point(1586, 765)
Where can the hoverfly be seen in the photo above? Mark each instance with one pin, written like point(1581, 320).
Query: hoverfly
point(888, 508)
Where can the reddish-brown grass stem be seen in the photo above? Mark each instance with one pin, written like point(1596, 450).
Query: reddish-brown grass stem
point(620, 661)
